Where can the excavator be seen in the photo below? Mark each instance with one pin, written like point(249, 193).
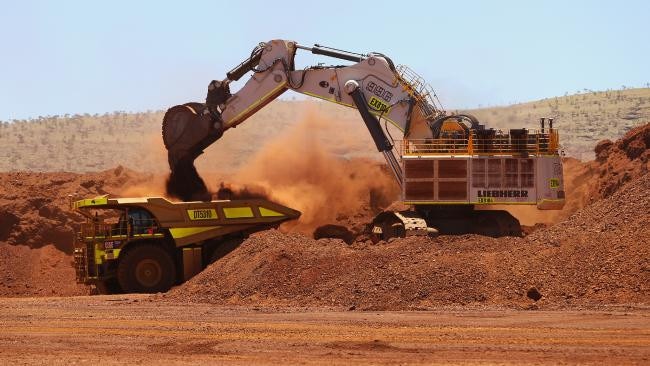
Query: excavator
point(451, 169)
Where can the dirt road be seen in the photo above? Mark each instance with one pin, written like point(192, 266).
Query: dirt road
point(132, 330)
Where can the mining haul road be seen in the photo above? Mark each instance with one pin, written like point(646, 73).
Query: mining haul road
point(133, 329)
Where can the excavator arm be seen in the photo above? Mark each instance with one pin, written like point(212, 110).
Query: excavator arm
point(372, 85)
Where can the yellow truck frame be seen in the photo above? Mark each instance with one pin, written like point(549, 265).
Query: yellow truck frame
point(157, 243)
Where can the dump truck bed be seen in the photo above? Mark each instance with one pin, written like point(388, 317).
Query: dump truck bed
point(190, 222)
point(184, 234)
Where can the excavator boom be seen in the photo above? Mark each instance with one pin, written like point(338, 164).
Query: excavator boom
point(372, 85)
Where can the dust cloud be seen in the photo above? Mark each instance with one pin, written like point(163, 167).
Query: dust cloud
point(313, 166)
point(154, 159)
point(298, 170)
point(229, 191)
point(153, 187)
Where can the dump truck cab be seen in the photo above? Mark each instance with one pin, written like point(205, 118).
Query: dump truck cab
point(149, 244)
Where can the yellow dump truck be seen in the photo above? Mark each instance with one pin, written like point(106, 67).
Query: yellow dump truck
point(149, 244)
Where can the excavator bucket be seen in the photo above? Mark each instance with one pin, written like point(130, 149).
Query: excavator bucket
point(186, 130)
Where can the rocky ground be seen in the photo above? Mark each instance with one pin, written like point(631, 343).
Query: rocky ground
point(600, 255)
point(127, 329)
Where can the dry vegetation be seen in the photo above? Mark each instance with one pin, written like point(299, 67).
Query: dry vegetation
point(76, 142)
point(81, 143)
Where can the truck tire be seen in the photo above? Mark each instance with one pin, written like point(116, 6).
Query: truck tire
point(146, 269)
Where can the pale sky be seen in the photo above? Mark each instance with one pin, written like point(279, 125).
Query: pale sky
point(93, 57)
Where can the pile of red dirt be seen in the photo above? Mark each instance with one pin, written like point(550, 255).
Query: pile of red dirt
point(44, 271)
point(601, 255)
point(620, 162)
point(35, 207)
point(37, 226)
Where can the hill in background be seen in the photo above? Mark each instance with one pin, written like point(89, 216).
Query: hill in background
point(583, 119)
point(81, 143)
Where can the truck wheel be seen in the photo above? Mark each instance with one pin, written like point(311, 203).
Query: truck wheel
point(146, 269)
